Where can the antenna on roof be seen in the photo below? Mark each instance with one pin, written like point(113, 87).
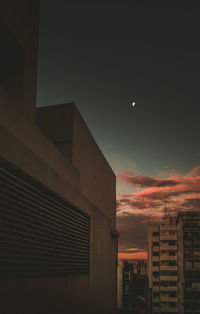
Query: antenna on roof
point(165, 211)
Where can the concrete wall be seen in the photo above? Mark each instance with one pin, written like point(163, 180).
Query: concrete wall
point(20, 18)
point(76, 171)
point(67, 130)
point(25, 146)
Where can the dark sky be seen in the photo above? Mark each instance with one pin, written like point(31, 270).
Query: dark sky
point(105, 55)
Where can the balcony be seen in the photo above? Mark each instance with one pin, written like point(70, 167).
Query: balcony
point(155, 239)
point(168, 237)
point(155, 249)
point(168, 257)
point(155, 258)
point(168, 278)
point(169, 288)
point(168, 247)
point(168, 228)
point(168, 268)
point(155, 268)
point(169, 309)
point(168, 299)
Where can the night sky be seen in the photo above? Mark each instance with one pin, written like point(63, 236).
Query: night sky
point(105, 55)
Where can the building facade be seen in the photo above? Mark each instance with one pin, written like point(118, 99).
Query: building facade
point(162, 267)
point(172, 248)
point(189, 269)
point(58, 244)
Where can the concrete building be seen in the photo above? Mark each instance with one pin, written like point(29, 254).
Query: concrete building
point(58, 244)
point(162, 267)
point(174, 264)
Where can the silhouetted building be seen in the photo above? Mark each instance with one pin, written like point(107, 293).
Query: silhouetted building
point(119, 284)
point(127, 276)
point(174, 264)
point(140, 267)
point(133, 285)
point(58, 244)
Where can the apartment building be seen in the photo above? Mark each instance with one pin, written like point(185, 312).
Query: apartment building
point(189, 266)
point(162, 267)
point(174, 264)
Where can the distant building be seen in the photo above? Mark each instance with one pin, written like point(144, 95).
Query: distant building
point(133, 282)
point(127, 276)
point(119, 284)
point(140, 267)
point(58, 243)
point(168, 274)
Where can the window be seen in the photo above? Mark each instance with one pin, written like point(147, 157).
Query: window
point(172, 294)
point(166, 283)
point(172, 242)
point(171, 253)
point(155, 294)
point(172, 304)
point(155, 243)
point(155, 253)
point(155, 273)
point(156, 304)
point(169, 263)
point(172, 263)
point(155, 263)
point(155, 283)
point(188, 254)
point(172, 283)
point(155, 234)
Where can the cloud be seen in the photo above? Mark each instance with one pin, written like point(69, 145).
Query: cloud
point(144, 181)
point(147, 205)
point(132, 256)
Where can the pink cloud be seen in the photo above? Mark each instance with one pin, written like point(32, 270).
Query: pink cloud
point(144, 181)
point(138, 209)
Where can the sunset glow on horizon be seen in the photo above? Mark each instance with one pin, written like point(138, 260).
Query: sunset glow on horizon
point(128, 256)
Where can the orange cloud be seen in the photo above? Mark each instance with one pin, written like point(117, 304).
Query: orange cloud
point(140, 255)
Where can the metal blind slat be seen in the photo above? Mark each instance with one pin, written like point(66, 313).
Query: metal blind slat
point(41, 234)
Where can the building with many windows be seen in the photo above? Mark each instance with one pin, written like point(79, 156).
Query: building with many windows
point(162, 266)
point(189, 269)
point(174, 264)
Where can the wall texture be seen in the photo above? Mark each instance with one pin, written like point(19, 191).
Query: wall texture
point(61, 154)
